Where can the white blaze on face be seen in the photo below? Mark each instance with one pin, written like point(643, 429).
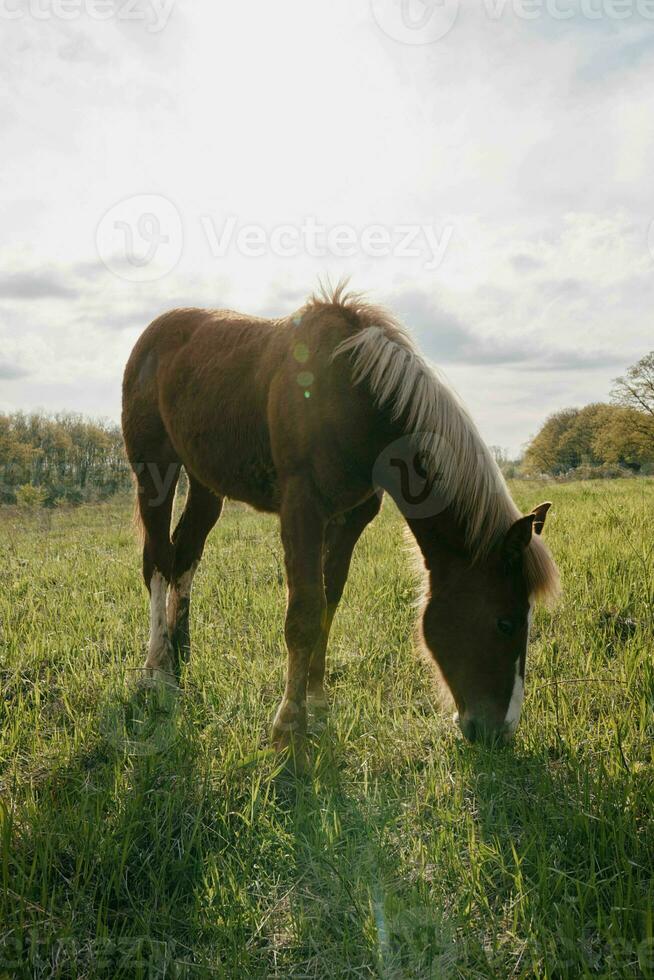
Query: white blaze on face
point(158, 652)
point(515, 704)
point(518, 693)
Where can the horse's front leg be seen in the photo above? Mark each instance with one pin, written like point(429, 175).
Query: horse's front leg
point(302, 527)
point(340, 538)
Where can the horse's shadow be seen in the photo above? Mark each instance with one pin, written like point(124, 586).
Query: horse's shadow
point(142, 843)
point(138, 836)
point(102, 855)
point(540, 827)
point(354, 910)
point(527, 834)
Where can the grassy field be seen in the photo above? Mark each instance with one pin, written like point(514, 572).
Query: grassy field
point(168, 844)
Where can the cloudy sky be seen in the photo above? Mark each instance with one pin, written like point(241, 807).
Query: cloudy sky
point(484, 168)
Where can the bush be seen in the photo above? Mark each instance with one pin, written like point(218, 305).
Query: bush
point(608, 471)
point(74, 496)
point(7, 494)
point(74, 459)
point(29, 497)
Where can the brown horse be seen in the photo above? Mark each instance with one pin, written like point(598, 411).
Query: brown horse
point(312, 416)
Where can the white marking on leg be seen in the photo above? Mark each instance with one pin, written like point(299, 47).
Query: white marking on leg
point(159, 647)
point(181, 589)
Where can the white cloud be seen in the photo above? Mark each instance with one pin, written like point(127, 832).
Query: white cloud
point(528, 140)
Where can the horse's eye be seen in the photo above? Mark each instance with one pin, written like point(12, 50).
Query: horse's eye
point(506, 626)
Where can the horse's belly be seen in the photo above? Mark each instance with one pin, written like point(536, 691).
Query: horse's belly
point(252, 480)
point(252, 483)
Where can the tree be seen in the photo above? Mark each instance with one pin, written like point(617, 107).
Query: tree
point(595, 436)
point(499, 454)
point(29, 497)
point(626, 438)
point(636, 388)
point(66, 456)
point(576, 446)
point(542, 454)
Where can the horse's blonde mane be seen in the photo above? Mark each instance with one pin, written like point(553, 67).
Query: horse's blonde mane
point(384, 354)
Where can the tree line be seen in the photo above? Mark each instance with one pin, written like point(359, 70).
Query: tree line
point(603, 438)
point(63, 458)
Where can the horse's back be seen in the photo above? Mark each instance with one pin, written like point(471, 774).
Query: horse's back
point(246, 402)
point(212, 333)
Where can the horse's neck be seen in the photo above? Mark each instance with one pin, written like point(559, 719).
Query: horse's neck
point(436, 536)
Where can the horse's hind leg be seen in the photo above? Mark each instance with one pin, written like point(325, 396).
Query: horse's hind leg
point(156, 486)
point(201, 511)
point(340, 540)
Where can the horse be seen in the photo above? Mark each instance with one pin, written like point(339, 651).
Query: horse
point(313, 416)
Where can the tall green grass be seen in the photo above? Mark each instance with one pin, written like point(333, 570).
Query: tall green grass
point(161, 840)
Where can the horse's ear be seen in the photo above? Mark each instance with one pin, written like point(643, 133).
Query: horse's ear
point(540, 513)
point(517, 538)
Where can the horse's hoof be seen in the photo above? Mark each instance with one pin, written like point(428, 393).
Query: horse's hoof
point(318, 703)
point(294, 747)
point(297, 760)
point(161, 678)
point(318, 709)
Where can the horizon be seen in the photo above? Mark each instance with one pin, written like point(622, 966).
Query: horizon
point(483, 172)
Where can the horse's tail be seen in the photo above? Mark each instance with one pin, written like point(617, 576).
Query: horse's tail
point(137, 520)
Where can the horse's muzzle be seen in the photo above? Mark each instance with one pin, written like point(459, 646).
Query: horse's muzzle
point(477, 730)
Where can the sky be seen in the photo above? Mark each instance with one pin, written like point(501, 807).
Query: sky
point(482, 168)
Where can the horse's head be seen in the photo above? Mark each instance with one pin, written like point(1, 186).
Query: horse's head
point(476, 625)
